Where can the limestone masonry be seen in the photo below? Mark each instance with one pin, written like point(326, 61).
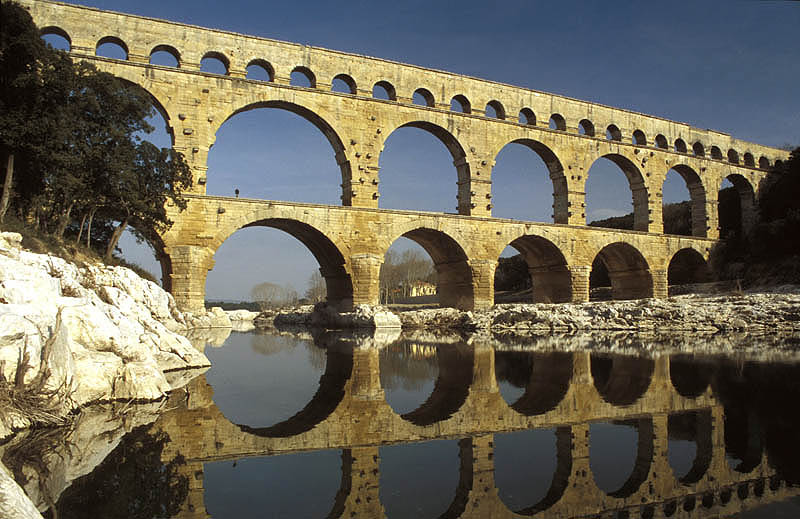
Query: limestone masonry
point(350, 241)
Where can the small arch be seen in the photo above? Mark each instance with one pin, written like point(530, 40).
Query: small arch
point(56, 37)
point(344, 84)
point(687, 267)
point(689, 375)
point(661, 142)
point(680, 145)
point(557, 122)
point(260, 70)
point(527, 117)
point(423, 97)
point(461, 104)
point(215, 63)
point(384, 90)
point(613, 133)
point(111, 47)
point(763, 163)
point(165, 56)
point(586, 127)
point(749, 160)
point(628, 271)
point(639, 138)
point(698, 149)
point(495, 110)
point(733, 156)
point(303, 77)
point(716, 153)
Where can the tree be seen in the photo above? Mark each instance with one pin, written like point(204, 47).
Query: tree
point(272, 295)
point(317, 289)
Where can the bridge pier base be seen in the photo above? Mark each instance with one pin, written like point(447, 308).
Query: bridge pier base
point(366, 271)
point(482, 285)
point(579, 277)
point(190, 266)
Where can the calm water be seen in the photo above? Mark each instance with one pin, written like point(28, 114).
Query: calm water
point(337, 426)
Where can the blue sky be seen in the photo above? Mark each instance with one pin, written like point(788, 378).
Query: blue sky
point(731, 66)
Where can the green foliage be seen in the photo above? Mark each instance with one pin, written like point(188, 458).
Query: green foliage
point(74, 138)
point(512, 274)
point(132, 482)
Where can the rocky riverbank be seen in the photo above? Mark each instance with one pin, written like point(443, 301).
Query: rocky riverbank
point(756, 313)
point(71, 336)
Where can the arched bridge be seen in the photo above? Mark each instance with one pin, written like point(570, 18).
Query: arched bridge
point(473, 118)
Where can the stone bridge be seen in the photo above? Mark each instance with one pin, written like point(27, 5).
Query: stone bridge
point(566, 392)
point(475, 119)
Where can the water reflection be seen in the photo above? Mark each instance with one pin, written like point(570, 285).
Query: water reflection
point(312, 426)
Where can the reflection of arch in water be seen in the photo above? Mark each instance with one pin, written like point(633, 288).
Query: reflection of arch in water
point(689, 377)
point(451, 388)
point(694, 426)
point(644, 457)
point(561, 477)
point(330, 393)
point(621, 380)
point(545, 376)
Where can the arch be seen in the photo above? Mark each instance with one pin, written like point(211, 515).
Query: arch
point(628, 271)
point(698, 149)
point(613, 133)
point(733, 156)
point(331, 391)
point(57, 31)
point(645, 449)
point(639, 194)
point(169, 50)
point(680, 145)
point(687, 266)
point(527, 117)
point(695, 427)
point(697, 197)
point(561, 478)
point(331, 260)
point(586, 127)
point(111, 41)
point(264, 66)
point(763, 162)
point(749, 160)
point(621, 380)
point(207, 63)
point(557, 122)
point(323, 126)
point(160, 108)
point(736, 213)
point(639, 138)
point(460, 103)
point(689, 376)
point(716, 153)
point(423, 97)
point(303, 77)
point(550, 275)
point(559, 179)
point(661, 142)
point(496, 107)
point(382, 88)
point(344, 83)
point(451, 388)
point(545, 376)
point(454, 275)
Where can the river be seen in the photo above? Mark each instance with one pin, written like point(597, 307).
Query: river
point(338, 425)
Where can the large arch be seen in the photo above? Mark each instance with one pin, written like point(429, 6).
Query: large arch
point(557, 176)
point(321, 124)
point(696, 427)
point(638, 187)
point(628, 271)
point(550, 275)
point(454, 274)
point(697, 196)
point(621, 380)
point(338, 368)
point(687, 266)
point(455, 149)
point(737, 213)
point(545, 376)
point(645, 449)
